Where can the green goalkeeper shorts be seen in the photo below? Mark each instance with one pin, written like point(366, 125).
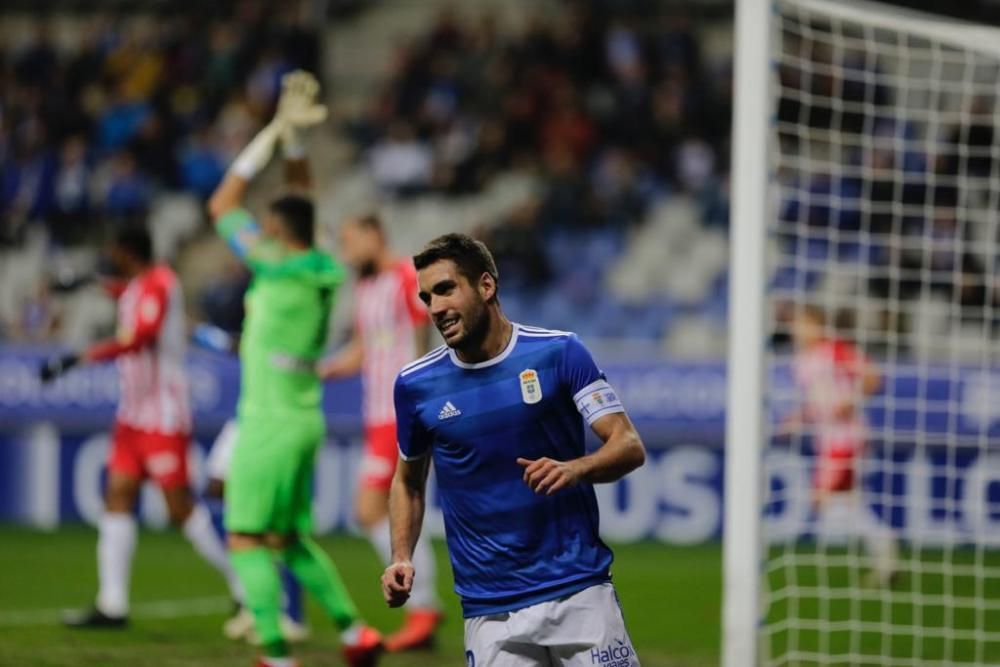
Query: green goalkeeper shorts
point(269, 485)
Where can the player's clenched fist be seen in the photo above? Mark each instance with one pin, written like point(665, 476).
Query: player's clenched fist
point(547, 475)
point(397, 581)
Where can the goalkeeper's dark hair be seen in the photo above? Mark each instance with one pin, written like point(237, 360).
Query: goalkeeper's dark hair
point(298, 216)
point(135, 239)
point(471, 257)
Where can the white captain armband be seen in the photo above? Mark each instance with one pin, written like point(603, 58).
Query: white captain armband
point(596, 400)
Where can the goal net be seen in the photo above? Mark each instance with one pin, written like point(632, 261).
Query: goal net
point(880, 530)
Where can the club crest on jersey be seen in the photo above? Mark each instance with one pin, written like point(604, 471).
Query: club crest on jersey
point(531, 387)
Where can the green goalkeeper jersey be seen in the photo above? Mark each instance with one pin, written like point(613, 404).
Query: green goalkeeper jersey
point(288, 310)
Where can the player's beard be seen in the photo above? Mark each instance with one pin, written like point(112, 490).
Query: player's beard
point(367, 268)
point(475, 327)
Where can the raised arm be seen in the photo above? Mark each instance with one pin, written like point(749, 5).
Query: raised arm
point(230, 194)
point(297, 109)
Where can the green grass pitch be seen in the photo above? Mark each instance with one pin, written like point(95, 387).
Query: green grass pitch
point(671, 598)
point(943, 609)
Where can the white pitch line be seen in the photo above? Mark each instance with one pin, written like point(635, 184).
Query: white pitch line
point(158, 609)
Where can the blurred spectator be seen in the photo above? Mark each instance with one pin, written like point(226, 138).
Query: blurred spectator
point(202, 165)
point(73, 212)
point(222, 301)
point(128, 189)
point(616, 184)
point(122, 119)
point(154, 148)
point(264, 82)
point(968, 148)
point(519, 248)
point(37, 62)
point(566, 202)
point(567, 126)
point(39, 316)
point(28, 175)
point(400, 163)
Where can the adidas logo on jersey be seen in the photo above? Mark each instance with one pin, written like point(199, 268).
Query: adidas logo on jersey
point(449, 411)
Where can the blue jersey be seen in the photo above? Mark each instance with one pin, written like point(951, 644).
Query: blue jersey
point(510, 547)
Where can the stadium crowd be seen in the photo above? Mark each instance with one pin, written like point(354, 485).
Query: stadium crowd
point(902, 201)
point(616, 107)
point(90, 134)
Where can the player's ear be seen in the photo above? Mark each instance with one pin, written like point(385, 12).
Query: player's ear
point(487, 287)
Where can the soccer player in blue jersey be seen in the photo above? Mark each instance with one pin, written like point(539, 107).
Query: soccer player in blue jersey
point(500, 410)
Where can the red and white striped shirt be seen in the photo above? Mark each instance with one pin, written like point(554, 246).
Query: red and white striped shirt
point(830, 375)
point(387, 312)
point(150, 348)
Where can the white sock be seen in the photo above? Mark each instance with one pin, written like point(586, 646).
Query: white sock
point(880, 542)
point(380, 538)
point(200, 532)
point(352, 634)
point(115, 546)
point(424, 594)
point(278, 662)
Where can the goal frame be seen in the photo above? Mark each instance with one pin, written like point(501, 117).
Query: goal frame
point(742, 525)
point(754, 115)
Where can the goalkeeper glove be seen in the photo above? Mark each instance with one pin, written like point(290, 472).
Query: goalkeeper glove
point(297, 106)
point(53, 367)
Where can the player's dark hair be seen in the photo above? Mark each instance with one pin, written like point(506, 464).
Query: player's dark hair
point(298, 216)
point(134, 238)
point(370, 222)
point(813, 311)
point(471, 257)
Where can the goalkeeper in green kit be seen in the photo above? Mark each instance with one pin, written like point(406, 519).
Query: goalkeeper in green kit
point(269, 491)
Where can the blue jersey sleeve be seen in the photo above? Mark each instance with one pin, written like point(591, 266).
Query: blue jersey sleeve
point(414, 441)
point(240, 231)
point(588, 385)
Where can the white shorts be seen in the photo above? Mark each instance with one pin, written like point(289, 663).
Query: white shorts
point(585, 629)
point(222, 452)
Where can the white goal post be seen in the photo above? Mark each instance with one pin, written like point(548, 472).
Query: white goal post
point(865, 188)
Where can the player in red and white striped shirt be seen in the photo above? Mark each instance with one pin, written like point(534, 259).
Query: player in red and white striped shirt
point(390, 330)
point(835, 378)
point(152, 428)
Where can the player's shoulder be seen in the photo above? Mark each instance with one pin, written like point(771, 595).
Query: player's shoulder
point(423, 365)
point(403, 269)
point(160, 276)
point(541, 337)
point(843, 350)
